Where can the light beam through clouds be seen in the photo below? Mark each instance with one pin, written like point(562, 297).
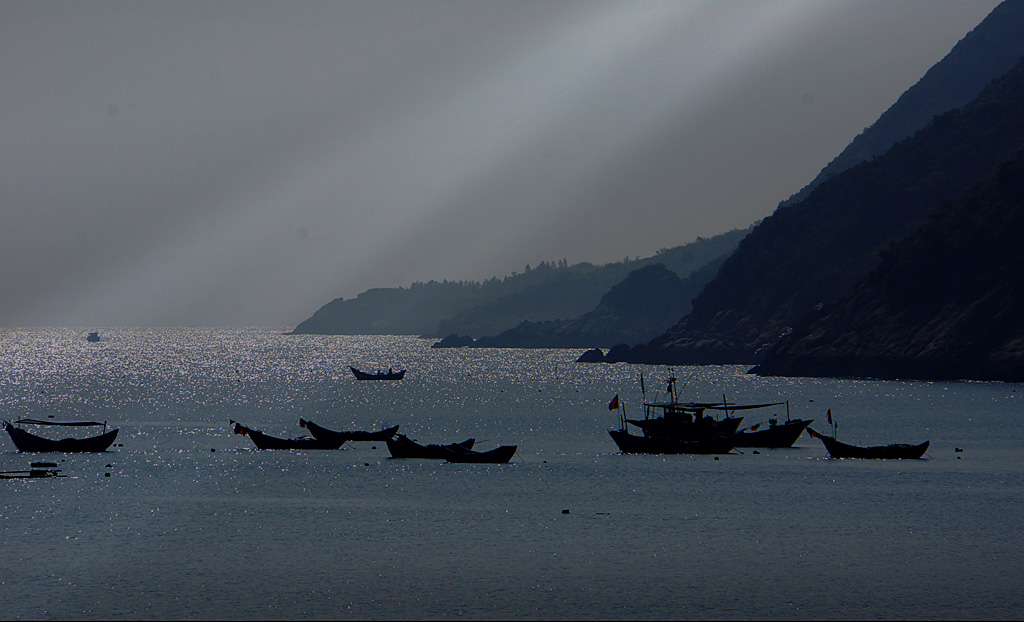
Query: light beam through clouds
point(243, 163)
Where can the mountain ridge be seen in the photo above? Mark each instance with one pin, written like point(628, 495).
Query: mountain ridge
point(551, 291)
point(810, 253)
point(989, 50)
point(946, 303)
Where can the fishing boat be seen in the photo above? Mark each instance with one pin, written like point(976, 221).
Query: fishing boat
point(895, 451)
point(773, 434)
point(265, 441)
point(26, 441)
point(380, 375)
point(674, 427)
point(93, 336)
point(355, 435)
point(401, 446)
point(648, 444)
point(501, 455)
point(776, 435)
point(688, 421)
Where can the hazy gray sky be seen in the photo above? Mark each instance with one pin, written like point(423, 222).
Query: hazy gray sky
point(243, 163)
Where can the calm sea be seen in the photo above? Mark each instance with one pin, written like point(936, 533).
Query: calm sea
point(193, 522)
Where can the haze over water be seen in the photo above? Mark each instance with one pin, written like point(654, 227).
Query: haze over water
point(193, 522)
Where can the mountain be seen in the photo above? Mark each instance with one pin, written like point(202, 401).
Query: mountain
point(551, 291)
point(811, 253)
point(946, 303)
point(648, 301)
point(985, 53)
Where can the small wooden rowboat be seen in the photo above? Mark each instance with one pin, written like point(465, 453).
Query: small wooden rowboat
point(265, 441)
point(26, 441)
point(774, 435)
point(401, 446)
point(895, 451)
point(355, 435)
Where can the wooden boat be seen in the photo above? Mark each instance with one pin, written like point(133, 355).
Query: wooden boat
point(774, 436)
point(691, 421)
point(402, 446)
point(356, 435)
point(634, 444)
point(895, 451)
point(26, 441)
point(686, 421)
point(501, 455)
point(380, 375)
point(265, 441)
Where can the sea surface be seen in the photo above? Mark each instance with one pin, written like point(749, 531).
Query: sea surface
point(183, 519)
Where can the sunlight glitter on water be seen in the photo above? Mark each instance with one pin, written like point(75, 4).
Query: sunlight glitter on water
point(194, 522)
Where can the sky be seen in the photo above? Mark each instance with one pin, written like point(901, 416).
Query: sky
point(240, 163)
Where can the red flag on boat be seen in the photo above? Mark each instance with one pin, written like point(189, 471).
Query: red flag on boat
point(614, 403)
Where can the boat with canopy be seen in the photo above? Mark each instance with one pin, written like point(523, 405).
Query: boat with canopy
point(27, 441)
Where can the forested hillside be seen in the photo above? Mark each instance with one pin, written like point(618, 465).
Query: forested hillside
point(643, 305)
point(945, 303)
point(549, 291)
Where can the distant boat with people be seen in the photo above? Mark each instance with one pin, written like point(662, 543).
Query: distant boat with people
point(380, 375)
point(27, 441)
